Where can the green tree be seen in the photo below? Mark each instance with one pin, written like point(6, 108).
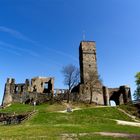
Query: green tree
point(137, 91)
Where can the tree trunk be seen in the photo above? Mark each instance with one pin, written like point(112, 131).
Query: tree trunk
point(91, 94)
point(68, 96)
point(51, 98)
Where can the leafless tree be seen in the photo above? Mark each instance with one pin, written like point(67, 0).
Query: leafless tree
point(71, 78)
point(93, 82)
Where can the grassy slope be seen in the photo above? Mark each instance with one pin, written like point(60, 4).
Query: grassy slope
point(50, 124)
point(132, 109)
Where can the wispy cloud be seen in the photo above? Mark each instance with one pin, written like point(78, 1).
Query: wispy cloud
point(21, 51)
point(15, 33)
point(10, 51)
point(61, 53)
point(64, 54)
point(21, 36)
point(17, 50)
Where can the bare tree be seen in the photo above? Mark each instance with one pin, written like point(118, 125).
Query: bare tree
point(93, 83)
point(71, 78)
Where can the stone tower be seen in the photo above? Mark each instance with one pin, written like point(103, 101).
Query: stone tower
point(87, 59)
point(90, 87)
point(9, 90)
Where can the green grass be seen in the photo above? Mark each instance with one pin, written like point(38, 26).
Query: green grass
point(47, 123)
point(18, 108)
point(131, 109)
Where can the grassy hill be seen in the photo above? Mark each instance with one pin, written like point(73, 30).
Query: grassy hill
point(133, 109)
point(49, 123)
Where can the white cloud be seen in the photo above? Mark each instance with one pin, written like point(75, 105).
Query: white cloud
point(17, 50)
point(10, 51)
point(19, 35)
point(15, 33)
point(66, 55)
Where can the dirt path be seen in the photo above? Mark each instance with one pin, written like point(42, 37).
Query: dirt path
point(129, 115)
point(74, 136)
point(120, 122)
point(126, 135)
point(136, 123)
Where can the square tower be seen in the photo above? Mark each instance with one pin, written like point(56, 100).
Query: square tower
point(87, 59)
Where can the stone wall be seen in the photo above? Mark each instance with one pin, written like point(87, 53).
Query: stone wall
point(42, 84)
point(42, 88)
point(39, 89)
point(90, 81)
point(121, 95)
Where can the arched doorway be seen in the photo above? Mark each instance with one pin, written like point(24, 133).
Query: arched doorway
point(112, 103)
point(115, 96)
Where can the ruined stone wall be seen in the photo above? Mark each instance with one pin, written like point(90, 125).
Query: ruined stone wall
point(88, 68)
point(121, 95)
point(30, 98)
point(42, 84)
point(31, 91)
point(85, 94)
point(40, 88)
point(9, 89)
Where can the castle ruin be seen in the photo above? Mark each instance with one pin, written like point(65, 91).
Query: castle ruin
point(90, 80)
point(90, 88)
point(39, 89)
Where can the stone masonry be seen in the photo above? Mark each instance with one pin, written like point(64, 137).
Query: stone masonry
point(101, 94)
point(89, 73)
point(30, 91)
point(87, 57)
point(41, 89)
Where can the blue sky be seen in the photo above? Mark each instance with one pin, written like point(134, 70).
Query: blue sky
point(39, 37)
